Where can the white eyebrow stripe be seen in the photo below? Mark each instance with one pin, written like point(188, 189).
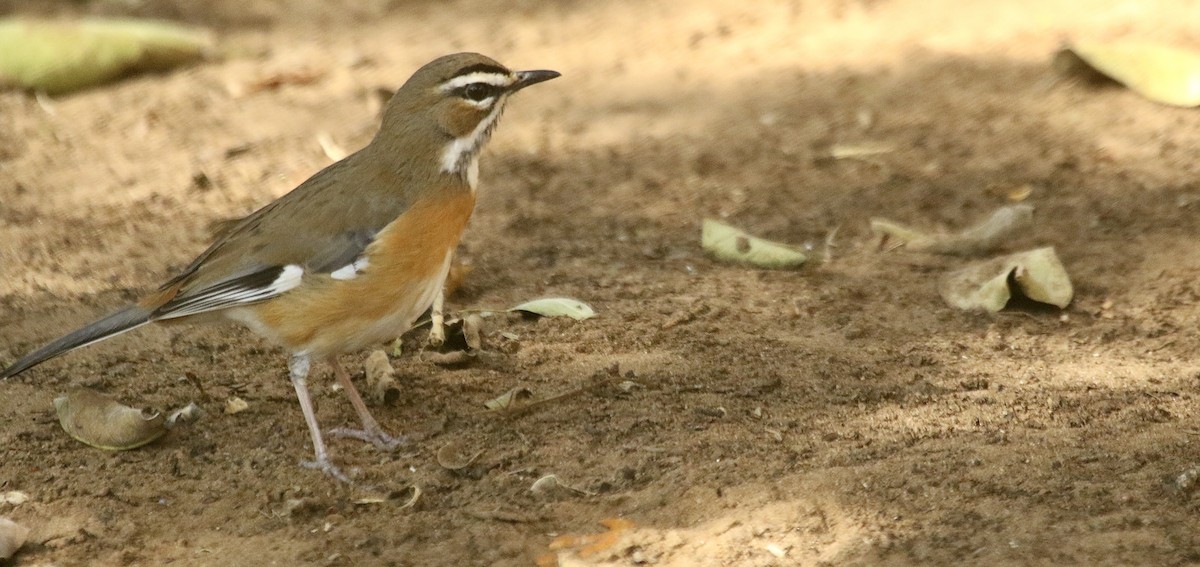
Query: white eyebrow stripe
point(491, 78)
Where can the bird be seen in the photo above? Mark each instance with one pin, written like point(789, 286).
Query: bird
point(352, 256)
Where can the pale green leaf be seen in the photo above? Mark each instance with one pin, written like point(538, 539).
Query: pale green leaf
point(728, 243)
point(63, 56)
point(1161, 73)
point(557, 307)
point(1038, 274)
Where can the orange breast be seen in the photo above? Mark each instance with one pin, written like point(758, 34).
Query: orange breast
point(407, 266)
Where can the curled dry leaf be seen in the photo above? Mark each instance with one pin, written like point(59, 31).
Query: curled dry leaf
point(557, 307)
point(1038, 274)
point(510, 400)
point(63, 56)
point(1162, 73)
point(551, 485)
point(381, 379)
point(94, 419)
point(453, 358)
point(12, 537)
point(731, 244)
point(454, 457)
point(981, 237)
point(412, 499)
point(472, 328)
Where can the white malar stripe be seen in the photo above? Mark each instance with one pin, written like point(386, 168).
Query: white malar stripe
point(459, 147)
point(350, 271)
point(494, 79)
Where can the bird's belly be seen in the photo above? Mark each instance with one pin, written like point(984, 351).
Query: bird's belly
point(406, 268)
point(345, 316)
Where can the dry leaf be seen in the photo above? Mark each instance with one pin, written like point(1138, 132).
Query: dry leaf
point(453, 358)
point(1038, 274)
point(63, 56)
point(511, 399)
point(15, 498)
point(551, 485)
point(381, 378)
point(235, 405)
point(728, 243)
point(190, 413)
point(557, 307)
point(1159, 72)
point(979, 238)
point(453, 457)
point(472, 329)
point(94, 419)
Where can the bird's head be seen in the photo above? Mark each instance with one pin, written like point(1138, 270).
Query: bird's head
point(454, 102)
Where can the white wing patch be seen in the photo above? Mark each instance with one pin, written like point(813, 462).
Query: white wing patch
point(350, 271)
point(231, 294)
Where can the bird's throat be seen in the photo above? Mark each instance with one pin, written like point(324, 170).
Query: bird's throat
point(461, 155)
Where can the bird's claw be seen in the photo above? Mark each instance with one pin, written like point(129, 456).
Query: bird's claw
point(378, 438)
point(326, 466)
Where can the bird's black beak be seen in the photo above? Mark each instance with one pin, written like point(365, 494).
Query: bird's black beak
point(526, 78)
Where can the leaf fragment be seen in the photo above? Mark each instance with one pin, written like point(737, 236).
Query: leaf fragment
point(509, 400)
point(236, 405)
point(551, 485)
point(732, 244)
point(381, 380)
point(15, 498)
point(557, 307)
point(454, 457)
point(97, 420)
point(1038, 274)
point(190, 413)
point(1162, 73)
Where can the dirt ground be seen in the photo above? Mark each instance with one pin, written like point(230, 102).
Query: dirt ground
point(840, 414)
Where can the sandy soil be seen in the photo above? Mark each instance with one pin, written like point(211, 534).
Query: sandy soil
point(840, 414)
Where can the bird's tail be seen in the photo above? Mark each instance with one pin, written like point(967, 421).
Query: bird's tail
point(126, 319)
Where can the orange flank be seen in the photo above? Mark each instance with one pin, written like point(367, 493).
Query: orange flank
point(407, 264)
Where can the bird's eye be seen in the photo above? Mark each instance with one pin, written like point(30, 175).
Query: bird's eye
point(478, 91)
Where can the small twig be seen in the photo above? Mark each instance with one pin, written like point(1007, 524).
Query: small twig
point(600, 378)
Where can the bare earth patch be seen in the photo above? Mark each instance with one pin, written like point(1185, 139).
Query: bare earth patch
point(839, 414)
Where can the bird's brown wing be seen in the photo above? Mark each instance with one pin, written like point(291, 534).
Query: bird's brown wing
point(317, 228)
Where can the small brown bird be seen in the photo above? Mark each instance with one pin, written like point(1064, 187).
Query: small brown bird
point(356, 253)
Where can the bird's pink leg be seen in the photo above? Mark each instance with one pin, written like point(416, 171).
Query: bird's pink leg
point(371, 431)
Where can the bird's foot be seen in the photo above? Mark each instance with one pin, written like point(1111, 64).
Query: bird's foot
point(326, 466)
point(376, 437)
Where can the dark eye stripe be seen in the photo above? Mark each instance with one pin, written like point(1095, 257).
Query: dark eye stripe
point(481, 68)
